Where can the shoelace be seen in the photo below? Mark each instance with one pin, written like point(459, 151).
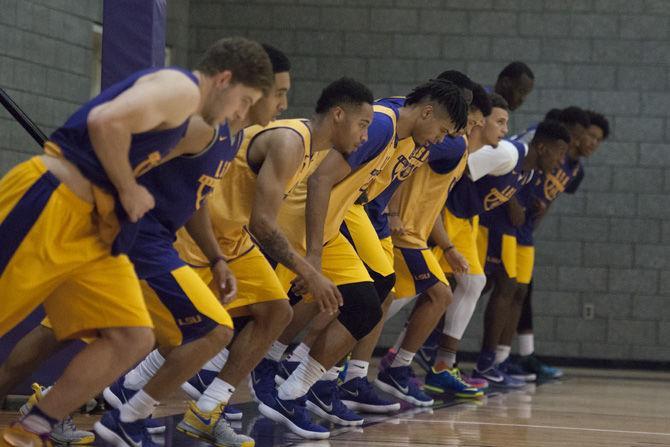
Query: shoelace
point(67, 424)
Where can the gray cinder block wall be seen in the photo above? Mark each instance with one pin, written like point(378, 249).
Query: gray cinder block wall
point(609, 244)
point(606, 246)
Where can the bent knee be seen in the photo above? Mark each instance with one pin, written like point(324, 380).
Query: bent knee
point(440, 294)
point(362, 309)
point(133, 341)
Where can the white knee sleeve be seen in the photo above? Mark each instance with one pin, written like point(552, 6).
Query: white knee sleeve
point(467, 292)
point(397, 305)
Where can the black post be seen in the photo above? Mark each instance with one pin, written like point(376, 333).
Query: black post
point(20, 116)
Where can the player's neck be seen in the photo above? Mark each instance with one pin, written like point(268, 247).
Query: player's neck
point(322, 133)
point(407, 116)
point(475, 140)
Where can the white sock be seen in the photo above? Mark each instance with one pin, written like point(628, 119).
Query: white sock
point(502, 352)
point(357, 368)
point(400, 339)
point(526, 344)
point(302, 379)
point(217, 362)
point(397, 305)
point(332, 373)
point(299, 354)
point(140, 376)
point(218, 392)
point(276, 351)
point(459, 312)
point(448, 358)
point(140, 406)
point(402, 358)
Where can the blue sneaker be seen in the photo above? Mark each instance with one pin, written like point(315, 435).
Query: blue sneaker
point(497, 378)
point(232, 413)
point(515, 370)
point(293, 415)
point(396, 381)
point(116, 394)
point(154, 426)
point(427, 353)
point(359, 395)
point(197, 384)
point(111, 429)
point(286, 368)
point(450, 382)
point(532, 364)
point(323, 400)
point(262, 380)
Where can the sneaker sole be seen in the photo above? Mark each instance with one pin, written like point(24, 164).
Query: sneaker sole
point(108, 435)
point(111, 398)
point(330, 417)
point(400, 395)
point(84, 440)
point(367, 408)
point(191, 391)
point(525, 377)
point(193, 432)
point(280, 418)
point(438, 390)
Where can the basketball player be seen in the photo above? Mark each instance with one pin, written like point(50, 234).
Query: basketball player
point(429, 112)
point(503, 258)
point(95, 158)
point(514, 83)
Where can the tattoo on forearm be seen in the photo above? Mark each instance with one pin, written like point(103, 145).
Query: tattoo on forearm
point(277, 246)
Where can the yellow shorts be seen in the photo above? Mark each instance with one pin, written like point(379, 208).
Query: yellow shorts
point(339, 262)
point(182, 306)
point(375, 254)
point(502, 250)
point(52, 254)
point(257, 282)
point(417, 270)
point(463, 234)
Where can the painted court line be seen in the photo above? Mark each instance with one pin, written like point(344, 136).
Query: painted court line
point(551, 427)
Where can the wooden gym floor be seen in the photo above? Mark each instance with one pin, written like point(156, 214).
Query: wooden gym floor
point(587, 408)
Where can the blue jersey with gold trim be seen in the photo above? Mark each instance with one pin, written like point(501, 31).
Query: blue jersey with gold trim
point(469, 198)
point(146, 148)
point(442, 157)
point(179, 188)
point(546, 188)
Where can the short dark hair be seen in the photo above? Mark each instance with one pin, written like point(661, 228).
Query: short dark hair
point(279, 60)
point(598, 119)
point(553, 114)
point(446, 94)
point(344, 91)
point(246, 59)
point(551, 130)
point(498, 101)
point(480, 99)
point(573, 115)
point(515, 69)
point(460, 79)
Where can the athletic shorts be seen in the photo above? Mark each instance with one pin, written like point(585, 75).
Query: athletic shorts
point(503, 251)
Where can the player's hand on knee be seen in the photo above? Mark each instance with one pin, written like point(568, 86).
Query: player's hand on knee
point(225, 281)
point(136, 201)
point(325, 293)
point(456, 260)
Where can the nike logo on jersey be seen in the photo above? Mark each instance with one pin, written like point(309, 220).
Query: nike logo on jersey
point(222, 139)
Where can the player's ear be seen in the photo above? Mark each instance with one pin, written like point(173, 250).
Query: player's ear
point(338, 114)
point(427, 111)
point(224, 79)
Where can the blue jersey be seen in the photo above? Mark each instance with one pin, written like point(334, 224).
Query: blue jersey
point(380, 133)
point(470, 198)
point(179, 188)
point(546, 188)
point(442, 158)
point(146, 148)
